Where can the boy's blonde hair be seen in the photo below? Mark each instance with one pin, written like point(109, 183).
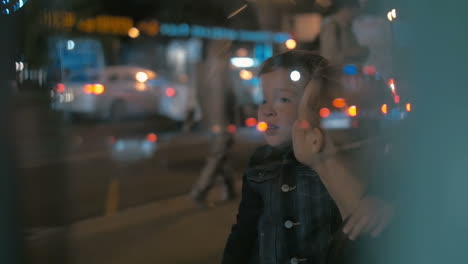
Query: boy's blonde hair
point(310, 65)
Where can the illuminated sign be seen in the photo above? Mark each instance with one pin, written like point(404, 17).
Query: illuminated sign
point(68, 21)
point(118, 25)
point(196, 31)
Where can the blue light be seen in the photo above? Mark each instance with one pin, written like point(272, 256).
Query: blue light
point(350, 69)
point(7, 11)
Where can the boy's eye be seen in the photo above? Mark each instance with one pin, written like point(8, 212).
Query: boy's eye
point(284, 100)
point(263, 102)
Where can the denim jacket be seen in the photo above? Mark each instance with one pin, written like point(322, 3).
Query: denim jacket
point(286, 215)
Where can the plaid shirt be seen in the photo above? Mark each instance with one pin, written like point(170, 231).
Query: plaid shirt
point(285, 216)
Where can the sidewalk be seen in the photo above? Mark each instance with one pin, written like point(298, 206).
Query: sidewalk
point(167, 231)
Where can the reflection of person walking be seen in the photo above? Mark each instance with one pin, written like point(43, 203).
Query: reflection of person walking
point(217, 103)
point(216, 165)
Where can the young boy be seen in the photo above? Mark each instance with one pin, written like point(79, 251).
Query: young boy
point(288, 213)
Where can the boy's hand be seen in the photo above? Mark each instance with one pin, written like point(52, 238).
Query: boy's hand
point(308, 139)
point(371, 217)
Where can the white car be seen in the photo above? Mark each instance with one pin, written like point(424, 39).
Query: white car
point(114, 93)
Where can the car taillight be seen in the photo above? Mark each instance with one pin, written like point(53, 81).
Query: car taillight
point(60, 88)
point(251, 122)
point(96, 89)
point(324, 112)
point(352, 111)
point(408, 107)
point(339, 103)
point(384, 109)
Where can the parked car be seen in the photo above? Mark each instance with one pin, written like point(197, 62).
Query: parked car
point(114, 93)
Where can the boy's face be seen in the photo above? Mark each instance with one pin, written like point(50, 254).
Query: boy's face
point(279, 107)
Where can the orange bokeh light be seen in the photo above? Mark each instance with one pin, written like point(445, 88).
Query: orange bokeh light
point(384, 109)
point(98, 89)
point(408, 107)
point(262, 126)
point(324, 112)
point(352, 110)
point(339, 103)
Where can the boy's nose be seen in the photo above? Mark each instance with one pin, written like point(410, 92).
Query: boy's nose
point(268, 110)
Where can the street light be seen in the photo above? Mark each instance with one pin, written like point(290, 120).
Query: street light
point(290, 44)
point(392, 15)
point(133, 32)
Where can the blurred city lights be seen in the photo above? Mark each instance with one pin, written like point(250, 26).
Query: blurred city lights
point(295, 76)
point(152, 137)
point(408, 107)
point(396, 99)
point(70, 45)
point(369, 70)
point(231, 128)
point(352, 111)
point(242, 52)
point(140, 86)
point(384, 109)
point(251, 122)
point(389, 16)
point(392, 15)
point(339, 103)
point(133, 32)
point(141, 76)
point(170, 92)
point(262, 126)
point(350, 69)
point(96, 89)
point(246, 75)
point(60, 88)
point(242, 62)
point(19, 66)
point(290, 44)
point(324, 112)
point(216, 129)
point(391, 83)
point(88, 89)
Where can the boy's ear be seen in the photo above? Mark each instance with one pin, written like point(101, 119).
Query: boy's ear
point(318, 140)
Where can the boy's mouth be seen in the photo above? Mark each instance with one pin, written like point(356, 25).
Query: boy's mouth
point(272, 129)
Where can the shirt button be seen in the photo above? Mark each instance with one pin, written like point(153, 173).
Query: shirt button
point(289, 224)
point(296, 260)
point(287, 188)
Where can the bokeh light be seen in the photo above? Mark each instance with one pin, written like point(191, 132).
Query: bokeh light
point(295, 76)
point(141, 76)
point(290, 44)
point(339, 103)
point(152, 137)
point(246, 75)
point(384, 109)
point(133, 32)
point(262, 126)
point(251, 122)
point(324, 112)
point(352, 111)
